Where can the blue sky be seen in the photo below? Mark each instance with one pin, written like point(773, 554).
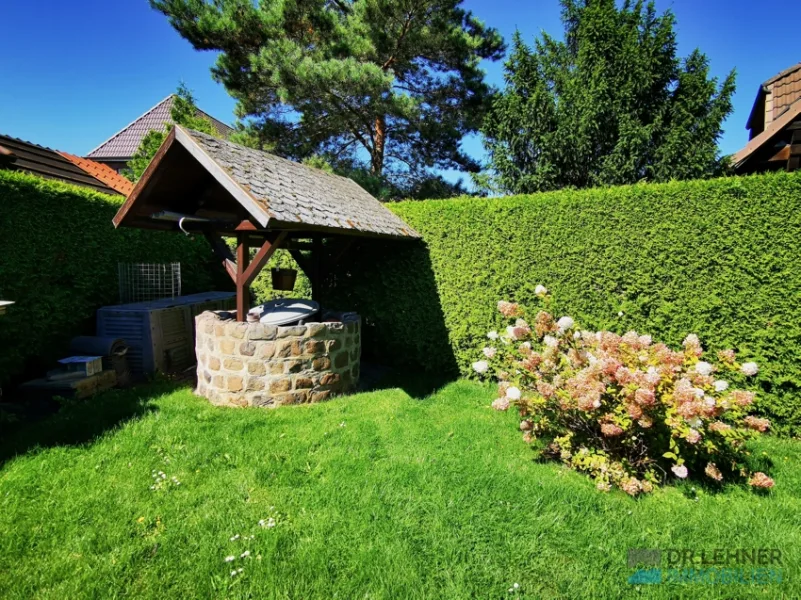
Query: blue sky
point(74, 73)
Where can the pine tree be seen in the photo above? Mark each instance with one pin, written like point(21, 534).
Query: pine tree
point(384, 88)
point(611, 104)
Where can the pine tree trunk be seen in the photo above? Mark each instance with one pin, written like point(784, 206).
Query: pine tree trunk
point(377, 159)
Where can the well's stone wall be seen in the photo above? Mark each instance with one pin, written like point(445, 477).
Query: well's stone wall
point(251, 364)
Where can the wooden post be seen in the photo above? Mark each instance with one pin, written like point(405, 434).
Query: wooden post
point(242, 289)
point(316, 274)
point(794, 162)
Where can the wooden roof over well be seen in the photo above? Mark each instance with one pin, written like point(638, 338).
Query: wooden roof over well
point(200, 176)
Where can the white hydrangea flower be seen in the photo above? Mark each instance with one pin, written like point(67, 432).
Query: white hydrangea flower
point(564, 324)
point(493, 335)
point(540, 290)
point(721, 386)
point(749, 368)
point(489, 351)
point(551, 341)
point(703, 368)
point(480, 366)
point(513, 393)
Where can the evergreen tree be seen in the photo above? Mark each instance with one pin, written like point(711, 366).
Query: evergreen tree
point(184, 112)
point(384, 88)
point(611, 104)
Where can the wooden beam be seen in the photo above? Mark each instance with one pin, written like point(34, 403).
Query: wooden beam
point(262, 256)
point(794, 161)
point(223, 252)
point(303, 262)
point(242, 290)
point(316, 274)
point(145, 179)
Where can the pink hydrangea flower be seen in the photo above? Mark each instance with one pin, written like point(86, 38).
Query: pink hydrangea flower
point(509, 309)
point(713, 472)
point(757, 424)
point(760, 480)
point(501, 404)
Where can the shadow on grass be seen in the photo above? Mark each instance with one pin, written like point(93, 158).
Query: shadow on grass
point(81, 421)
point(416, 384)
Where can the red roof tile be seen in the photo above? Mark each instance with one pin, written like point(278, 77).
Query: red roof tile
point(102, 173)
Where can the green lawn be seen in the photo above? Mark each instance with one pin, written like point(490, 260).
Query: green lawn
point(378, 495)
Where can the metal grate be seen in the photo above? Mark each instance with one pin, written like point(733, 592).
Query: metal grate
point(140, 282)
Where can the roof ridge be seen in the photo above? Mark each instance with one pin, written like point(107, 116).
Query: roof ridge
point(144, 114)
point(271, 155)
point(782, 74)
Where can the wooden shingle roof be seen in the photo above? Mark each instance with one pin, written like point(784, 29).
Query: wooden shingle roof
point(275, 192)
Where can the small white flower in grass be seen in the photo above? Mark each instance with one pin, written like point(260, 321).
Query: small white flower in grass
point(233, 573)
point(620, 314)
point(749, 368)
point(564, 324)
point(239, 570)
point(245, 554)
point(480, 366)
point(489, 352)
point(268, 523)
point(516, 586)
point(679, 471)
point(721, 386)
point(703, 368)
point(513, 393)
point(493, 335)
point(230, 558)
point(234, 538)
point(540, 290)
point(342, 424)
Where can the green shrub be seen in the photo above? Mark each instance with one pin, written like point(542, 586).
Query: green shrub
point(719, 258)
point(58, 261)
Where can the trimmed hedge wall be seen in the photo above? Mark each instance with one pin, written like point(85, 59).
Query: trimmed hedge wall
point(720, 258)
point(58, 262)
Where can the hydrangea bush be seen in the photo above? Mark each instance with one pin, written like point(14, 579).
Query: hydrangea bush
point(627, 411)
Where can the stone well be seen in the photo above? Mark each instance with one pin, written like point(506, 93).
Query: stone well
point(251, 364)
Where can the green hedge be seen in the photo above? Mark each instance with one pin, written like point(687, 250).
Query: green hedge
point(58, 260)
point(720, 258)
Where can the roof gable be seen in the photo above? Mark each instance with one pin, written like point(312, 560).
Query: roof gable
point(275, 192)
point(124, 143)
point(776, 127)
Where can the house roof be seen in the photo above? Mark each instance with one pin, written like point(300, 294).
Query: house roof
point(123, 144)
point(101, 172)
point(25, 156)
point(785, 88)
point(275, 192)
point(770, 132)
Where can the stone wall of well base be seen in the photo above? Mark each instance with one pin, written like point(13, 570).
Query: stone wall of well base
point(250, 364)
